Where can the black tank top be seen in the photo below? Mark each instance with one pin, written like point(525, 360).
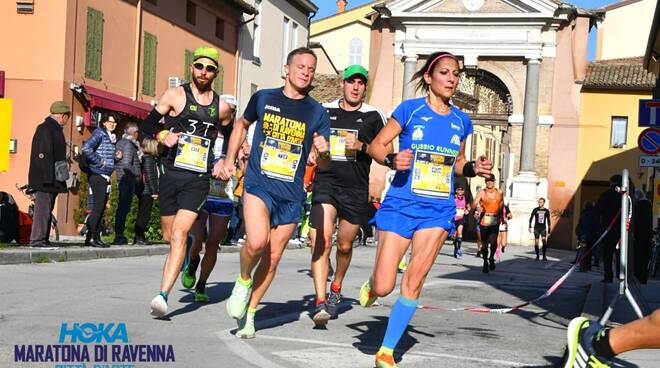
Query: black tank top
point(197, 120)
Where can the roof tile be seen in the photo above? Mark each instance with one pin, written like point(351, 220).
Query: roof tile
point(626, 73)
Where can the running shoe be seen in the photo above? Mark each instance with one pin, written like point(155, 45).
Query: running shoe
point(544, 258)
point(460, 253)
point(491, 263)
point(158, 306)
point(246, 327)
point(366, 297)
point(332, 304)
point(385, 361)
point(403, 265)
point(237, 303)
point(201, 296)
point(485, 268)
point(321, 315)
point(188, 280)
point(581, 353)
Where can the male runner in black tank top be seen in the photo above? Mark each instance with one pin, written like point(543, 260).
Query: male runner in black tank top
point(541, 218)
point(193, 115)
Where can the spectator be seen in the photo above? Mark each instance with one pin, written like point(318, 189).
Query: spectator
point(48, 151)
point(147, 189)
point(587, 232)
point(99, 151)
point(607, 208)
point(128, 171)
point(643, 235)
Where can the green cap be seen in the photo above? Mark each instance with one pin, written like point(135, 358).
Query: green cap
point(60, 107)
point(355, 69)
point(207, 52)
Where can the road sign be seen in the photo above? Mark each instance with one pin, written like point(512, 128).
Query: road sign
point(649, 161)
point(649, 113)
point(649, 141)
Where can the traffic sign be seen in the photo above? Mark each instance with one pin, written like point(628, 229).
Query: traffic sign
point(649, 141)
point(649, 161)
point(649, 113)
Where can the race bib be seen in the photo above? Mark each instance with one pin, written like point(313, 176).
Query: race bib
point(218, 188)
point(192, 153)
point(217, 148)
point(489, 220)
point(338, 145)
point(280, 159)
point(432, 174)
point(541, 216)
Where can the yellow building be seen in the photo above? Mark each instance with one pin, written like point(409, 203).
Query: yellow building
point(346, 35)
point(608, 128)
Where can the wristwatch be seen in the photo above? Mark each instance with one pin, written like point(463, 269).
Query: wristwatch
point(389, 160)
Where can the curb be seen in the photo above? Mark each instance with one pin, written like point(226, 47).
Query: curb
point(26, 255)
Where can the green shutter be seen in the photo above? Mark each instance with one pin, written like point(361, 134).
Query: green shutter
point(217, 83)
point(186, 65)
point(149, 65)
point(94, 44)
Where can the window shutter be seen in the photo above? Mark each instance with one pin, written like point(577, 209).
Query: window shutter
point(217, 83)
point(186, 65)
point(94, 44)
point(149, 65)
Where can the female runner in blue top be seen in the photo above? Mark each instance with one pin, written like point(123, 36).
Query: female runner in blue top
point(419, 205)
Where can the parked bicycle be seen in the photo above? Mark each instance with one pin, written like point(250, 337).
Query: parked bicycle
point(29, 192)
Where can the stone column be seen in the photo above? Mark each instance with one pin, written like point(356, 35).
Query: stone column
point(531, 116)
point(409, 68)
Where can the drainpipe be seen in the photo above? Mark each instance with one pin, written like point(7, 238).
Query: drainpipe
point(239, 62)
point(138, 41)
point(309, 26)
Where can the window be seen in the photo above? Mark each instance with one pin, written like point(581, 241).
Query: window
point(191, 12)
point(285, 42)
point(294, 36)
point(489, 151)
point(94, 44)
point(473, 149)
point(219, 79)
point(188, 58)
point(355, 51)
point(256, 34)
point(619, 131)
point(149, 65)
point(220, 28)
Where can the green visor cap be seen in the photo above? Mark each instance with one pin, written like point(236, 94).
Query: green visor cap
point(207, 52)
point(355, 70)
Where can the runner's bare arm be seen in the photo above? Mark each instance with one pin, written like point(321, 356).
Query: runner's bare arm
point(235, 141)
point(225, 113)
point(381, 146)
point(477, 199)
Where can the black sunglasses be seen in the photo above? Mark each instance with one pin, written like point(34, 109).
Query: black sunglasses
point(210, 68)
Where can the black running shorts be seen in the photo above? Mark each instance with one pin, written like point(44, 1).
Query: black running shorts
point(182, 190)
point(540, 232)
point(352, 204)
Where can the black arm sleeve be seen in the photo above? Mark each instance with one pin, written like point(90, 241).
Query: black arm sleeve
point(150, 125)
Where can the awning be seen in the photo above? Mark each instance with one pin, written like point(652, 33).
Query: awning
point(110, 101)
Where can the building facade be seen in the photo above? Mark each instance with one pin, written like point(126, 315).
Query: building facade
point(522, 61)
point(265, 40)
point(103, 55)
point(624, 30)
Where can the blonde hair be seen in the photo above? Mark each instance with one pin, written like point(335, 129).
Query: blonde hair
point(150, 146)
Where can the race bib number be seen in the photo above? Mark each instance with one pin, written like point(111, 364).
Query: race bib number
point(218, 188)
point(280, 159)
point(217, 147)
point(432, 174)
point(541, 216)
point(489, 220)
point(192, 153)
point(338, 145)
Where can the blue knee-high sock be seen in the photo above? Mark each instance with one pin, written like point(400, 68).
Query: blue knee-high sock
point(402, 313)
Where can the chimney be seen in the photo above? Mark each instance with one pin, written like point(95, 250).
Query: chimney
point(341, 6)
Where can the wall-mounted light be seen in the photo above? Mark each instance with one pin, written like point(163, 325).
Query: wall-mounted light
point(25, 7)
point(13, 145)
point(80, 122)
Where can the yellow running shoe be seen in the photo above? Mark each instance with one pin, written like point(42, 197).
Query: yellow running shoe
point(366, 296)
point(385, 361)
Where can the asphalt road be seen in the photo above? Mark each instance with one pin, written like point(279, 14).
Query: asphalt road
point(38, 298)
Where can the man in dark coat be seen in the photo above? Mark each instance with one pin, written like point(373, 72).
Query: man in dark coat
point(608, 207)
point(48, 147)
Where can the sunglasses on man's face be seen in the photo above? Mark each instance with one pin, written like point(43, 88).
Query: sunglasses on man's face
point(210, 68)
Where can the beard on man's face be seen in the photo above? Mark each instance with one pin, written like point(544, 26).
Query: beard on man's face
point(202, 84)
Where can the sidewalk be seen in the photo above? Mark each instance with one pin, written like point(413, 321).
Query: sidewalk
point(72, 249)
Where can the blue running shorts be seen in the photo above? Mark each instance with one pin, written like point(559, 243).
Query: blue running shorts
point(281, 210)
point(404, 217)
point(219, 206)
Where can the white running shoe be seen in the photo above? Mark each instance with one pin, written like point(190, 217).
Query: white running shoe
point(158, 306)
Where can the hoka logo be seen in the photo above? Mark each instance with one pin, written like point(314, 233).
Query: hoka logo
point(456, 140)
point(90, 333)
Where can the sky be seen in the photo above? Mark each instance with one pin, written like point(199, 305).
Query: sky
point(329, 7)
